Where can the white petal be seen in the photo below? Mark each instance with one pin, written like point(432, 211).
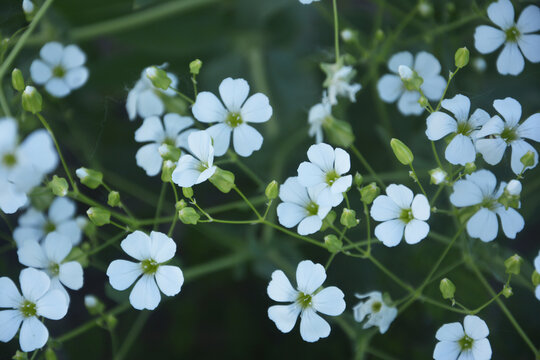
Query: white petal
point(71, 230)
point(233, 92)
point(530, 128)
point(493, 126)
point(439, 125)
point(257, 109)
point(61, 209)
point(312, 326)
point(460, 151)
point(137, 245)
point(416, 231)
point(34, 283)
point(328, 198)
point(512, 222)
point(390, 232)
point(402, 195)
point(280, 288)
point(32, 218)
point(510, 109)
point(492, 150)
point(150, 130)
point(9, 294)
point(289, 214)
point(342, 161)
point(483, 225)
point(11, 199)
point(206, 174)
point(310, 174)
point(501, 13)
point(149, 159)
point(426, 65)
point(52, 52)
point(200, 144)
point(186, 173)
point(478, 118)
point(481, 349)
point(169, 279)
point(10, 320)
point(485, 180)
point(446, 350)
point(71, 275)
point(8, 134)
point(309, 225)
point(488, 39)
point(33, 334)
point(175, 123)
point(145, 294)
point(73, 57)
point(221, 136)
point(459, 105)
point(384, 208)
point(329, 301)
point(510, 60)
point(433, 87)
point(162, 247)
point(77, 77)
point(123, 273)
point(40, 72)
point(131, 104)
point(31, 254)
point(284, 316)
point(341, 184)
point(293, 192)
point(390, 87)
point(408, 103)
point(149, 104)
point(420, 207)
point(475, 327)
point(530, 45)
point(450, 332)
point(322, 155)
point(57, 87)
point(401, 58)
point(529, 20)
point(309, 276)
point(208, 108)
point(53, 305)
point(38, 147)
point(520, 148)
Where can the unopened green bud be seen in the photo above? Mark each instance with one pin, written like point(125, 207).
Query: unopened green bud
point(223, 180)
point(339, 132)
point(180, 205)
point(469, 168)
point(29, 9)
point(110, 321)
point(358, 179)
point(93, 305)
point(333, 243)
point(99, 216)
point(513, 264)
point(195, 67)
point(31, 100)
point(17, 79)
point(59, 186)
point(527, 160)
point(438, 176)
point(188, 215)
point(448, 289)
point(169, 152)
point(402, 152)
point(423, 101)
point(535, 278)
point(187, 192)
point(50, 354)
point(369, 192)
point(507, 291)
point(272, 190)
point(379, 35)
point(89, 177)
point(167, 170)
point(328, 220)
point(114, 199)
point(19, 355)
point(461, 57)
point(158, 77)
point(510, 196)
point(348, 218)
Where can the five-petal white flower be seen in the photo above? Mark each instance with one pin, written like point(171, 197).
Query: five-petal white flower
point(478, 190)
point(391, 86)
point(514, 36)
point(400, 213)
point(501, 134)
point(60, 68)
point(463, 342)
point(193, 170)
point(306, 301)
point(461, 149)
point(233, 117)
point(152, 252)
point(379, 314)
point(37, 300)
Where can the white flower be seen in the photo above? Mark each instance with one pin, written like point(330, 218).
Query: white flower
point(400, 213)
point(325, 173)
point(34, 225)
point(478, 190)
point(306, 301)
point(300, 207)
point(338, 82)
point(234, 117)
point(470, 343)
point(318, 114)
point(37, 300)
point(50, 257)
point(193, 170)
point(438, 176)
point(144, 99)
point(28, 6)
point(537, 269)
point(174, 134)
point(152, 252)
point(509, 132)
point(60, 68)
point(463, 128)
point(391, 87)
point(305, 2)
point(514, 36)
point(379, 314)
point(22, 166)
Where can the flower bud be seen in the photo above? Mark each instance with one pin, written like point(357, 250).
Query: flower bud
point(110, 321)
point(114, 199)
point(438, 176)
point(31, 100)
point(339, 132)
point(358, 179)
point(423, 101)
point(19, 355)
point(272, 190)
point(99, 216)
point(535, 278)
point(158, 77)
point(223, 180)
point(369, 192)
point(348, 218)
point(328, 220)
point(17, 79)
point(507, 291)
point(425, 9)
point(188, 215)
point(89, 177)
point(448, 289)
point(29, 9)
point(180, 205)
point(514, 187)
point(510, 196)
point(333, 243)
point(527, 160)
point(169, 152)
point(348, 35)
point(411, 80)
point(195, 66)
point(167, 170)
point(461, 57)
point(513, 264)
point(405, 73)
point(187, 192)
point(402, 152)
point(469, 168)
point(59, 186)
point(93, 305)
point(379, 35)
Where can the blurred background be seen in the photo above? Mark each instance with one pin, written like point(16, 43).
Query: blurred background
point(277, 46)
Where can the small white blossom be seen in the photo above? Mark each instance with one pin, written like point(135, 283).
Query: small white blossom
point(392, 88)
point(479, 64)
point(338, 82)
point(463, 128)
point(233, 117)
point(463, 342)
point(61, 69)
point(305, 2)
point(300, 207)
point(37, 300)
point(28, 6)
point(378, 313)
point(193, 170)
point(479, 190)
point(438, 176)
point(537, 269)
point(318, 114)
point(325, 173)
point(401, 214)
point(514, 36)
point(152, 252)
point(502, 134)
point(306, 301)
point(90, 301)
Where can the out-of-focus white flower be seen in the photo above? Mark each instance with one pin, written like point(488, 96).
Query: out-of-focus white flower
point(438, 176)
point(463, 342)
point(318, 114)
point(193, 170)
point(338, 82)
point(378, 313)
point(537, 269)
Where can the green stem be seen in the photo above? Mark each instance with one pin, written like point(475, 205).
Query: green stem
point(417, 180)
point(182, 95)
point(436, 155)
point(175, 218)
point(160, 203)
point(234, 158)
point(446, 89)
point(293, 234)
point(132, 335)
point(247, 202)
point(336, 30)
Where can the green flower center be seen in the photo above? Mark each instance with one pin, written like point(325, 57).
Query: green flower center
point(28, 309)
point(376, 307)
point(331, 177)
point(149, 266)
point(9, 160)
point(233, 119)
point(49, 227)
point(464, 128)
point(466, 343)
point(489, 203)
point(202, 166)
point(312, 208)
point(406, 215)
point(509, 134)
point(54, 269)
point(512, 34)
point(59, 71)
point(169, 141)
point(304, 300)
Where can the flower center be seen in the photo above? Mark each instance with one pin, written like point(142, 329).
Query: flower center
point(376, 307)
point(509, 134)
point(9, 160)
point(512, 34)
point(233, 119)
point(28, 309)
point(304, 300)
point(54, 269)
point(312, 208)
point(49, 227)
point(331, 177)
point(489, 203)
point(406, 215)
point(169, 141)
point(202, 166)
point(149, 266)
point(464, 128)
point(59, 71)
point(466, 343)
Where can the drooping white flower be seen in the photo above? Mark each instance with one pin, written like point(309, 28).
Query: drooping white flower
point(152, 252)
point(391, 87)
point(537, 269)
point(463, 342)
point(145, 99)
point(61, 69)
point(193, 170)
point(325, 173)
point(300, 207)
point(377, 311)
point(501, 134)
point(22, 166)
point(479, 190)
point(514, 36)
point(34, 225)
point(338, 82)
point(173, 134)
point(463, 128)
point(318, 114)
point(50, 257)
point(233, 117)
point(37, 300)
point(306, 301)
point(400, 213)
